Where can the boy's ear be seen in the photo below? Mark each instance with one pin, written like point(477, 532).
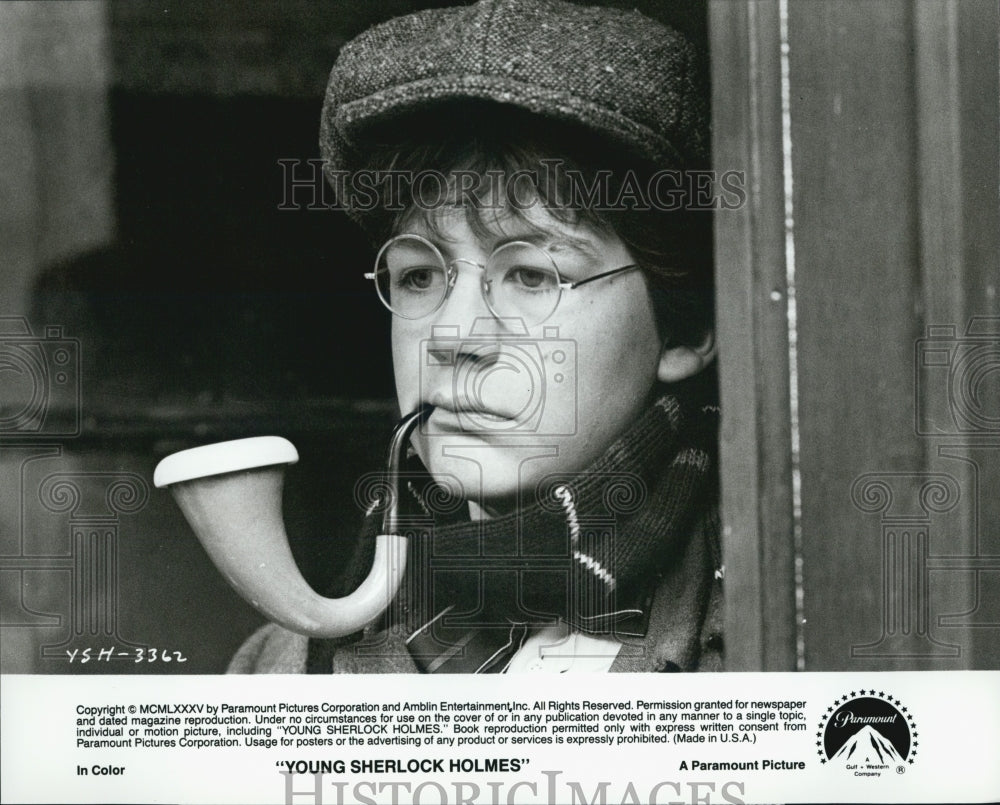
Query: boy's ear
point(680, 362)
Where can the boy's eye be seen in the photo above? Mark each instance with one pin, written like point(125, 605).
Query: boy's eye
point(530, 278)
point(420, 278)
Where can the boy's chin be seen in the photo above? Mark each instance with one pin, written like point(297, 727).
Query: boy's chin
point(495, 480)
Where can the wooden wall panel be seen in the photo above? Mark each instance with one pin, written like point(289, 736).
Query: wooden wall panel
point(854, 148)
point(958, 64)
point(893, 239)
point(758, 548)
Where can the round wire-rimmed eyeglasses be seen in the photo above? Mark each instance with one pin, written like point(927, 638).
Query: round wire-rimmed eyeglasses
point(518, 280)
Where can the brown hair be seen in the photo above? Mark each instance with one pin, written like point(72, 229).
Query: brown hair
point(578, 177)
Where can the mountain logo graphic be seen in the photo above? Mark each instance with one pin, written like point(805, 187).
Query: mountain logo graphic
point(868, 733)
point(868, 745)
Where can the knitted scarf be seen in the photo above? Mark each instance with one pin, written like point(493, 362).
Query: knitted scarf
point(588, 549)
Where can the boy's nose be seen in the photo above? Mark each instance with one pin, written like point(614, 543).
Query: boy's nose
point(466, 302)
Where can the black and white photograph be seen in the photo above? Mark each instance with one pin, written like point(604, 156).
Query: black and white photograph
point(498, 347)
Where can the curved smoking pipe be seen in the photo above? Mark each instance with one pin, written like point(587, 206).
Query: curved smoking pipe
point(230, 493)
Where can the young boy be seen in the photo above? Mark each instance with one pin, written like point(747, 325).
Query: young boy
point(522, 167)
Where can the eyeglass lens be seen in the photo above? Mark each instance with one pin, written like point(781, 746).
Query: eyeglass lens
point(521, 280)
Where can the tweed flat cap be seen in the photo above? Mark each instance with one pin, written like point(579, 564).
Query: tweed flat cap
point(616, 72)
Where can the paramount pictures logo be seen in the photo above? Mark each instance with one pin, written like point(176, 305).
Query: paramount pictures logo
point(869, 734)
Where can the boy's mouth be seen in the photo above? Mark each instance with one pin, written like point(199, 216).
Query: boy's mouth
point(457, 414)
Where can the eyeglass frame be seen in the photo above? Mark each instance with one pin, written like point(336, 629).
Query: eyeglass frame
point(485, 285)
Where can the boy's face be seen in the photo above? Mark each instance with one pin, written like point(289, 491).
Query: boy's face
point(512, 409)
